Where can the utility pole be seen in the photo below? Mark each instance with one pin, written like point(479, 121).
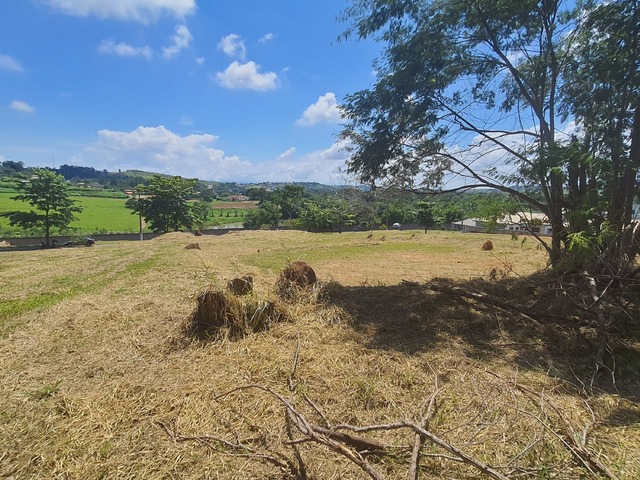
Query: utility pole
point(140, 218)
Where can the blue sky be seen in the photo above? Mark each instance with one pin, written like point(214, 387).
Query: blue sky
point(230, 91)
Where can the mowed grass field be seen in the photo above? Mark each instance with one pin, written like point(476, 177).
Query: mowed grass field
point(98, 378)
point(110, 215)
point(98, 215)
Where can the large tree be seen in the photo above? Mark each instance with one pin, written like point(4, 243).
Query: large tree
point(476, 89)
point(164, 203)
point(47, 193)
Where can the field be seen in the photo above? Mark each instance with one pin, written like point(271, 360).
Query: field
point(100, 378)
point(109, 215)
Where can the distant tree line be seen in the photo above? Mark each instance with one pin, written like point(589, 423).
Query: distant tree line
point(357, 208)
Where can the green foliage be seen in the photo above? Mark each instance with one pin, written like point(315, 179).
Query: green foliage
point(164, 203)
point(47, 192)
point(201, 214)
point(456, 81)
point(268, 215)
point(425, 215)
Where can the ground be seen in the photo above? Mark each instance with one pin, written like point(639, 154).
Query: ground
point(99, 380)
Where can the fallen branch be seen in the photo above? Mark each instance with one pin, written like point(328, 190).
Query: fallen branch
point(464, 457)
point(479, 297)
point(307, 429)
point(575, 443)
point(419, 439)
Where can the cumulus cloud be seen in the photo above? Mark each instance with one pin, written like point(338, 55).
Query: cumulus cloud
point(10, 64)
point(122, 49)
point(325, 110)
point(247, 76)
point(233, 46)
point(134, 10)
point(160, 150)
point(21, 107)
point(322, 166)
point(266, 38)
point(181, 40)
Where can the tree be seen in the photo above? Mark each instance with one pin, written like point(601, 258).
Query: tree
point(290, 199)
point(47, 193)
point(602, 92)
point(11, 167)
point(201, 213)
point(163, 203)
point(425, 215)
point(473, 91)
point(268, 214)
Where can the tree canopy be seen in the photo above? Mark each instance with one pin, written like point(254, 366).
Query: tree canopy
point(47, 193)
point(164, 203)
point(482, 93)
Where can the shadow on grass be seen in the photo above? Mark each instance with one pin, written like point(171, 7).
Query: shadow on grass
point(534, 325)
point(21, 248)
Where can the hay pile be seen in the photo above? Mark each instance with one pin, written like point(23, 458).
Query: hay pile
point(219, 314)
point(241, 285)
point(296, 278)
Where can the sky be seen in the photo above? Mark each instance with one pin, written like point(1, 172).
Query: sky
point(242, 91)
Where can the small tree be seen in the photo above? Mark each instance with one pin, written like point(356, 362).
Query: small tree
point(163, 203)
point(425, 215)
point(47, 193)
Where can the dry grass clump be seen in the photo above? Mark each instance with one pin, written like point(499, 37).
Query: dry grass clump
point(241, 285)
point(219, 314)
point(295, 280)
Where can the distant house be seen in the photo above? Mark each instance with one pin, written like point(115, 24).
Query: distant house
point(238, 198)
point(536, 222)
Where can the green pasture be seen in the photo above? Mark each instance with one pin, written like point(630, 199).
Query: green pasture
point(101, 215)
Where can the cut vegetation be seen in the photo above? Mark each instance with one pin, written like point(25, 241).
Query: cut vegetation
point(412, 356)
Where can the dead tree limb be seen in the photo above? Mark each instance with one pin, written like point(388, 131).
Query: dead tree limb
point(301, 423)
point(479, 297)
point(464, 457)
point(572, 441)
point(418, 441)
point(238, 449)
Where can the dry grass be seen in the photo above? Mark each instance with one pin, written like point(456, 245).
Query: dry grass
point(96, 368)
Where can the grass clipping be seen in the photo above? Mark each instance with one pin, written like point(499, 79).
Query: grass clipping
point(219, 314)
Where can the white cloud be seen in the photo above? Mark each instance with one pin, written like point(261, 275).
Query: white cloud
point(200, 60)
point(247, 76)
point(322, 166)
point(325, 110)
point(287, 155)
point(124, 50)
point(21, 106)
point(136, 10)
point(266, 38)
point(159, 150)
point(181, 40)
point(233, 46)
point(10, 64)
